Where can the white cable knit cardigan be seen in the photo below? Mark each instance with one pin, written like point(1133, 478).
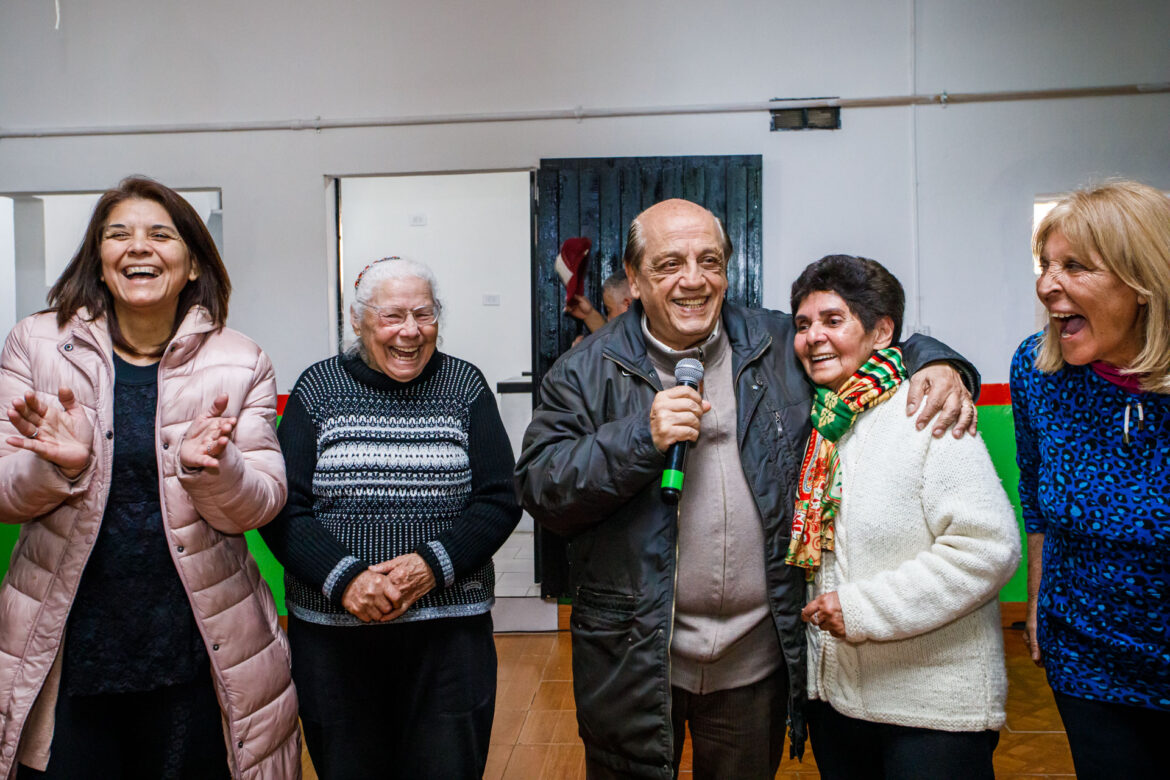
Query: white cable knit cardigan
point(925, 538)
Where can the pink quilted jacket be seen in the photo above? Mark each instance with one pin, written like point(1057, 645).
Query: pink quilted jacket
point(205, 517)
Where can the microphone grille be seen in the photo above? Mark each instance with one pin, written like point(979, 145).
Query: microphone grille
point(688, 370)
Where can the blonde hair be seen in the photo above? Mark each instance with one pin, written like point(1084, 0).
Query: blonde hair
point(1127, 225)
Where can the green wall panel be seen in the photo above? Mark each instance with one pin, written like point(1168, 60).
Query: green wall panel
point(999, 433)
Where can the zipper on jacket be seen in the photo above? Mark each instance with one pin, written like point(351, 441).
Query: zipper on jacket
point(86, 337)
point(632, 371)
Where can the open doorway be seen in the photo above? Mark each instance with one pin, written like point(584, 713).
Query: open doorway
point(474, 231)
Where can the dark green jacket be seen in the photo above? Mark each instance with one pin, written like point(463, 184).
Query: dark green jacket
point(589, 470)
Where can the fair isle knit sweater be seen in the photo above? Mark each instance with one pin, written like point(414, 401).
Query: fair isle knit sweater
point(925, 538)
point(379, 468)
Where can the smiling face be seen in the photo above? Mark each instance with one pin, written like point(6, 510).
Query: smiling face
point(1097, 316)
point(831, 341)
point(145, 263)
point(398, 350)
point(683, 273)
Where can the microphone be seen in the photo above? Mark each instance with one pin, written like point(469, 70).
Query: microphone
point(689, 372)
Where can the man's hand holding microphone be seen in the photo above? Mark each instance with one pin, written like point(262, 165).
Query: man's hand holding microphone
point(674, 421)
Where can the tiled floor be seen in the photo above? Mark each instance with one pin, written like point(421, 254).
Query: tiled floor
point(514, 562)
point(535, 732)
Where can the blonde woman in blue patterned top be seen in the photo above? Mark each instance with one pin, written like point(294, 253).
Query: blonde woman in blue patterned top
point(1091, 399)
point(400, 490)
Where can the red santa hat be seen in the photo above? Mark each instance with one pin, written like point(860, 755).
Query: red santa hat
point(571, 265)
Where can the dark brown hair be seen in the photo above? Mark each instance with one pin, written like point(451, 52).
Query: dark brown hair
point(870, 291)
point(80, 283)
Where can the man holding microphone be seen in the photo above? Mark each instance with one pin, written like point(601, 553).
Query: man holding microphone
point(687, 613)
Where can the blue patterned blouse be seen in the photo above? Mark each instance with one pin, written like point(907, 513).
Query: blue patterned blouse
point(1104, 508)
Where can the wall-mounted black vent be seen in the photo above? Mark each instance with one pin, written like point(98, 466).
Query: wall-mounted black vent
point(822, 118)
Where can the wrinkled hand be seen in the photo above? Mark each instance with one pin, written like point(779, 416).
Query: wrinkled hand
point(944, 390)
point(1030, 637)
point(408, 578)
point(675, 415)
point(63, 436)
point(207, 437)
point(366, 597)
point(824, 612)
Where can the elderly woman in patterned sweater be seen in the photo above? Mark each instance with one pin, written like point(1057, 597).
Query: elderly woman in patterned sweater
point(1091, 399)
point(907, 539)
point(400, 490)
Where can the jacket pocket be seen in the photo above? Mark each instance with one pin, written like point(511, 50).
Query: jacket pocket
point(597, 607)
point(619, 677)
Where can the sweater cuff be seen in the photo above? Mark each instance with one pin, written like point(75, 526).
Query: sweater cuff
point(851, 613)
point(436, 557)
point(346, 570)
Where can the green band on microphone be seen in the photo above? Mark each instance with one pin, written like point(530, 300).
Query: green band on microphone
point(672, 478)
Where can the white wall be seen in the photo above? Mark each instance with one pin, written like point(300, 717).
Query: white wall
point(477, 239)
point(7, 269)
point(978, 166)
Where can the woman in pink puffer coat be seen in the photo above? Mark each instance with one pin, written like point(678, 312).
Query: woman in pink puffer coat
point(136, 636)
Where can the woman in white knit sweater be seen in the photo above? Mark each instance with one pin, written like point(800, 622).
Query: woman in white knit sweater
point(906, 540)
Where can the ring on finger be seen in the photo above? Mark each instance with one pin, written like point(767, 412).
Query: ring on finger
point(34, 434)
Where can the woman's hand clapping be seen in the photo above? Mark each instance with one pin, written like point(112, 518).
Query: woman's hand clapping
point(207, 437)
point(63, 436)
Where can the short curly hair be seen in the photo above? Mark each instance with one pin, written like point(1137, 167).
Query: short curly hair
point(870, 291)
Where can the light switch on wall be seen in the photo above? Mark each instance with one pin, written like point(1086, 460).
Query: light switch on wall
point(418, 220)
point(491, 299)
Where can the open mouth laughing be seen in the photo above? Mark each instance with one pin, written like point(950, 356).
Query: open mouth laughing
point(141, 272)
point(1068, 323)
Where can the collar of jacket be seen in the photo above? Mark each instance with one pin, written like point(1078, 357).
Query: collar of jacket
point(627, 346)
point(195, 325)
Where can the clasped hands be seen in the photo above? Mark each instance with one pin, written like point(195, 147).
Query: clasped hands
point(386, 590)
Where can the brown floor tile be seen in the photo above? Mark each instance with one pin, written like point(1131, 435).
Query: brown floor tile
point(526, 762)
point(506, 726)
point(1037, 754)
point(564, 762)
point(554, 695)
point(497, 761)
point(534, 736)
point(550, 727)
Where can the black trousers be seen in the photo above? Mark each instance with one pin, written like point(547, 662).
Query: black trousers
point(171, 733)
point(850, 749)
point(413, 700)
point(737, 733)
point(1112, 740)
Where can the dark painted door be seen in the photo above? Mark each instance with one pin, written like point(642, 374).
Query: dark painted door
point(598, 198)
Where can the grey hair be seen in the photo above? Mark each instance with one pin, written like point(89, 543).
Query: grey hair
point(378, 273)
point(617, 283)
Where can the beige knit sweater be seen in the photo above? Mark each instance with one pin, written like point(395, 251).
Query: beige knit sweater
point(925, 538)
